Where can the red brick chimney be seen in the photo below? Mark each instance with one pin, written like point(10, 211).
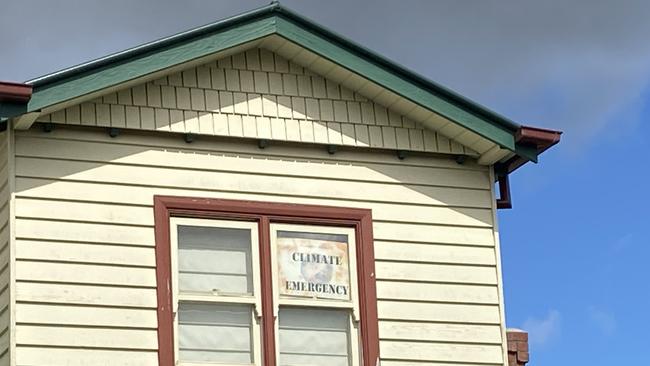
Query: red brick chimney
point(517, 347)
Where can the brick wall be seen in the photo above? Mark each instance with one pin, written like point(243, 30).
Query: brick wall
point(517, 347)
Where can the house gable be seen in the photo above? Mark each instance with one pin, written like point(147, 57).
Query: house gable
point(258, 94)
point(494, 137)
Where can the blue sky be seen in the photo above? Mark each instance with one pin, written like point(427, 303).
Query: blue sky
point(575, 247)
point(575, 250)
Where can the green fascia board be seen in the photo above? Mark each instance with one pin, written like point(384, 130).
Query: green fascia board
point(382, 77)
point(8, 110)
point(150, 62)
point(527, 151)
point(272, 19)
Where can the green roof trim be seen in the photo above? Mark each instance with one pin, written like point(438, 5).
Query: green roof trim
point(272, 19)
point(163, 58)
point(398, 85)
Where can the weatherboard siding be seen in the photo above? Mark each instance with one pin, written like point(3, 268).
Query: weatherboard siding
point(5, 266)
point(258, 94)
point(85, 270)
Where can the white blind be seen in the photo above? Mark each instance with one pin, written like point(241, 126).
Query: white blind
point(214, 259)
point(219, 333)
point(311, 336)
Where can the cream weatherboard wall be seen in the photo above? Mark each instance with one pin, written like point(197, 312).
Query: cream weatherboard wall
point(84, 238)
point(85, 277)
point(5, 261)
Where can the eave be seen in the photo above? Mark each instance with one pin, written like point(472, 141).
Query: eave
point(139, 62)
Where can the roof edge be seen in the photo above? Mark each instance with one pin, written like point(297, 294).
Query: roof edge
point(526, 142)
point(154, 45)
point(540, 139)
point(275, 7)
point(12, 92)
point(402, 71)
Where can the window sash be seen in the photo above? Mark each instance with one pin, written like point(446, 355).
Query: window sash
point(278, 300)
point(216, 297)
point(352, 305)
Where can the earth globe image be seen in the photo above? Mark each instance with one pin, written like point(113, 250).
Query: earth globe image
point(317, 272)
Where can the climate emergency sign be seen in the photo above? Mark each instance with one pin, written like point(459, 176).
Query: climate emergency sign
point(313, 268)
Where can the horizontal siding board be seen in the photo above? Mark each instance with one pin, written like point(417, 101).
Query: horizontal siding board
point(437, 312)
point(51, 314)
point(434, 253)
point(84, 232)
point(85, 295)
point(92, 274)
point(83, 211)
point(53, 356)
point(433, 234)
point(440, 332)
point(4, 277)
point(418, 351)
point(4, 340)
point(4, 297)
point(435, 273)
point(4, 255)
point(436, 292)
point(38, 335)
point(85, 253)
point(4, 320)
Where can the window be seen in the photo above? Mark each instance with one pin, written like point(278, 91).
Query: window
point(315, 295)
point(247, 283)
point(216, 291)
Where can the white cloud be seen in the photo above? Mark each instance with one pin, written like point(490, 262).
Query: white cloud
point(544, 330)
point(603, 320)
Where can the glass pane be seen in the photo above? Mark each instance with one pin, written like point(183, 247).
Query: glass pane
point(215, 333)
point(314, 337)
point(313, 265)
point(214, 259)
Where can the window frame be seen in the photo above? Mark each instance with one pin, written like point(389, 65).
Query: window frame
point(264, 214)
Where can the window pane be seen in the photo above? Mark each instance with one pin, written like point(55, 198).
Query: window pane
point(314, 337)
point(211, 258)
point(215, 333)
point(313, 265)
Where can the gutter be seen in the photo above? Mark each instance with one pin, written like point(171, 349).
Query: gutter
point(13, 100)
point(540, 139)
point(15, 92)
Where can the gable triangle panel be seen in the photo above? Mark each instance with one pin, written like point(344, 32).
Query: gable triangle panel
point(258, 94)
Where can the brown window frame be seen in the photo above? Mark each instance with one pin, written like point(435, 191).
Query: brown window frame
point(264, 213)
